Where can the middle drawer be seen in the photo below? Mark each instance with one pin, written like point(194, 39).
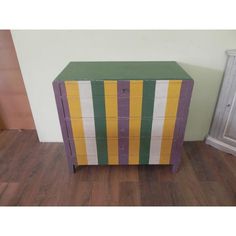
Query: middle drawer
point(85, 107)
point(121, 127)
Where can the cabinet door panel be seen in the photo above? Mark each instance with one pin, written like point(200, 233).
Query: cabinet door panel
point(230, 127)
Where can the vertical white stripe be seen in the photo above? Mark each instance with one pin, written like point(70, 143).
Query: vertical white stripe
point(86, 101)
point(161, 93)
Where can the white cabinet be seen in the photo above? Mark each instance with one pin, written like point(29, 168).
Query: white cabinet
point(223, 130)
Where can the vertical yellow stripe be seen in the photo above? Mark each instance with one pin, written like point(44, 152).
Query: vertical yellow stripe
point(168, 129)
point(136, 92)
point(77, 124)
point(110, 89)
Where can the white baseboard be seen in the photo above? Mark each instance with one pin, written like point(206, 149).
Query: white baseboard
point(221, 146)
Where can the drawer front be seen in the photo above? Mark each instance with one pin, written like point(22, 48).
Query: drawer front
point(123, 122)
point(94, 151)
point(121, 88)
point(120, 105)
point(122, 99)
point(85, 127)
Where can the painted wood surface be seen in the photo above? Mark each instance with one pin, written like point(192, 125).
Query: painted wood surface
point(100, 121)
point(157, 125)
point(125, 122)
point(88, 124)
point(123, 113)
point(168, 128)
point(111, 107)
point(126, 70)
point(147, 111)
point(78, 126)
point(135, 105)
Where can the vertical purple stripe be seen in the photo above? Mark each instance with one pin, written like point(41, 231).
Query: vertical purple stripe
point(123, 121)
point(68, 124)
point(63, 111)
point(182, 114)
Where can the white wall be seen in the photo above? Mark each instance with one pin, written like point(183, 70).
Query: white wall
point(43, 54)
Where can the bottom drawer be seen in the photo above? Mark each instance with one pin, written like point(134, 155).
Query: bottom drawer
point(134, 150)
point(114, 160)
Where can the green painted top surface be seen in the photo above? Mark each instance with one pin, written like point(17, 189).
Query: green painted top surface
point(114, 70)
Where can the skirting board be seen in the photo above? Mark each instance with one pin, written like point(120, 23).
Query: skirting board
point(221, 146)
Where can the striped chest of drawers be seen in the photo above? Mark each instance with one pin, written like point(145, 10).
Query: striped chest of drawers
point(123, 113)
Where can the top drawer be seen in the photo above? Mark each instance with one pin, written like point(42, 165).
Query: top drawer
point(123, 88)
point(100, 108)
point(121, 98)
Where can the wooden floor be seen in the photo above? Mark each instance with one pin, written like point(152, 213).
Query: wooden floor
point(33, 173)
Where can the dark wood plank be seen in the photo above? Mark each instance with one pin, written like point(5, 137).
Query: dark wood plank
point(129, 194)
point(8, 195)
point(36, 174)
point(200, 164)
point(217, 194)
point(105, 193)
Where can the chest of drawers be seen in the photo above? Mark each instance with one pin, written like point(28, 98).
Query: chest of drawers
point(123, 113)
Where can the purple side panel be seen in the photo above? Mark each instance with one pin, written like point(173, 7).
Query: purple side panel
point(58, 86)
point(123, 121)
point(68, 124)
point(182, 115)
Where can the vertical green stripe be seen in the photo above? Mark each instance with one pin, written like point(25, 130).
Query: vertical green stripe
point(146, 124)
point(100, 121)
